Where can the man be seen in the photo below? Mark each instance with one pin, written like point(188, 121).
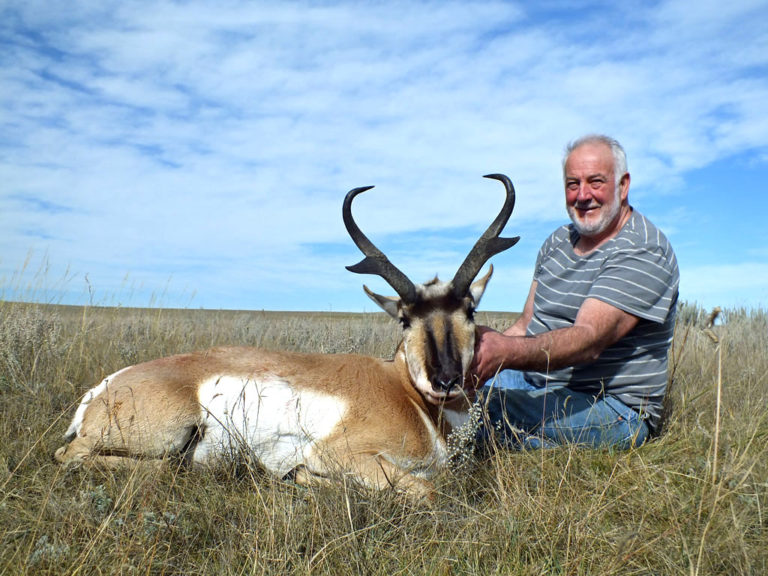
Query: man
point(586, 362)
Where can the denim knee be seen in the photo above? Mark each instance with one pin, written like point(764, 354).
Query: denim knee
point(541, 418)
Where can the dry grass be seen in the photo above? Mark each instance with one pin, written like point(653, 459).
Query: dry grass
point(693, 502)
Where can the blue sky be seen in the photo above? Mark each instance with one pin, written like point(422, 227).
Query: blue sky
point(196, 154)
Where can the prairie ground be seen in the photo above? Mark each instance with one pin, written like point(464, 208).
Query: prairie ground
point(692, 502)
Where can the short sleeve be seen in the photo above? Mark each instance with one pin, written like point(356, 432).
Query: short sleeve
point(642, 281)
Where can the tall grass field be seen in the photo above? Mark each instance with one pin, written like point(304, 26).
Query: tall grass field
point(691, 502)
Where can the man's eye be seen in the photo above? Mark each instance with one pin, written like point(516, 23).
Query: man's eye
point(597, 183)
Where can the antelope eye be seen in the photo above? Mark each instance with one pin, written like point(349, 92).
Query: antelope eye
point(405, 322)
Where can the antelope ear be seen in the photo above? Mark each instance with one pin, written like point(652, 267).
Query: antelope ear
point(477, 288)
point(390, 304)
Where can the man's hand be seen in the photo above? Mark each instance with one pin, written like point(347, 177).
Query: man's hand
point(491, 353)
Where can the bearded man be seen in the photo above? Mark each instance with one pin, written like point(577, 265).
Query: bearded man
point(586, 362)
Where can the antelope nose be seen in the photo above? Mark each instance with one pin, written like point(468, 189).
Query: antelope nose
point(444, 384)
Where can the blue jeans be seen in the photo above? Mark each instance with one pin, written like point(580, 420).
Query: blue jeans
point(520, 415)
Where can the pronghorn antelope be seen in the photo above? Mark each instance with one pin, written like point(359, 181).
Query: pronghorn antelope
point(309, 415)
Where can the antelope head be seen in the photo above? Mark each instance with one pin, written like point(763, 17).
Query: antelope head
point(437, 317)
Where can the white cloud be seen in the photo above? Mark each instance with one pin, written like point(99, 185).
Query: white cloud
point(182, 135)
point(743, 285)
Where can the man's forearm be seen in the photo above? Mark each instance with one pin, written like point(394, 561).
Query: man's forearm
point(597, 326)
point(551, 350)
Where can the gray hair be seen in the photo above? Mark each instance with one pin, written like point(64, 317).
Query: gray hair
point(619, 156)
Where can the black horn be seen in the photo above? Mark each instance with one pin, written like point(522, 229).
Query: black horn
point(489, 243)
point(375, 262)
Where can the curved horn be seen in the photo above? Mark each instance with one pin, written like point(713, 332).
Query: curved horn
point(375, 262)
point(489, 243)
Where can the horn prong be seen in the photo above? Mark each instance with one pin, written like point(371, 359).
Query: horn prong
point(375, 262)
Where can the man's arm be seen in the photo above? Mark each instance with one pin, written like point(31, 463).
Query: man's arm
point(597, 326)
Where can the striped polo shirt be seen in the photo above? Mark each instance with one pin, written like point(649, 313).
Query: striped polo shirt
point(636, 271)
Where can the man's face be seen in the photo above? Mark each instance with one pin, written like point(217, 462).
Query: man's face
point(592, 198)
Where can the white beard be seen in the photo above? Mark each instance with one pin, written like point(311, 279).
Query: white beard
point(605, 220)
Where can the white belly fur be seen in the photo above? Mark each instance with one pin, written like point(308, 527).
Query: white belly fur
point(267, 418)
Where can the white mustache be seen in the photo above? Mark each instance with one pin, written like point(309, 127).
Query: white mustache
point(586, 205)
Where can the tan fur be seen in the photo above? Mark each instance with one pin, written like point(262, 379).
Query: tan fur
point(316, 416)
point(151, 410)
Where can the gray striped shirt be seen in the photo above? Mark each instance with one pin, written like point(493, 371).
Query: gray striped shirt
point(636, 271)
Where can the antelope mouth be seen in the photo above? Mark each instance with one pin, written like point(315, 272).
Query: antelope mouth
point(456, 391)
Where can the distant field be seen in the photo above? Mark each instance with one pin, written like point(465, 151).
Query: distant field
point(674, 506)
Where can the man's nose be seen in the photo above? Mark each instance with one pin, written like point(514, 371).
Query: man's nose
point(584, 193)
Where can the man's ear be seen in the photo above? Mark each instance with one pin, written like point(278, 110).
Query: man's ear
point(624, 187)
